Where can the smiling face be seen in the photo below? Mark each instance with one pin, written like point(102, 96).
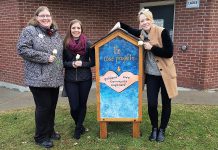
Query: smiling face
point(44, 18)
point(145, 23)
point(76, 30)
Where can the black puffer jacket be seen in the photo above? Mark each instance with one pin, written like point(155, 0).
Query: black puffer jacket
point(82, 73)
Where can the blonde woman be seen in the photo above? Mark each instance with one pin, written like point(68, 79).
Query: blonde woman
point(159, 68)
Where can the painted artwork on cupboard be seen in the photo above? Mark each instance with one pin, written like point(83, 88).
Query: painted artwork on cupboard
point(119, 75)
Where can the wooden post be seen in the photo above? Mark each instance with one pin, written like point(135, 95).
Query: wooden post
point(136, 130)
point(103, 129)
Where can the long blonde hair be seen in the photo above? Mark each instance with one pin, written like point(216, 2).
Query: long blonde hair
point(33, 21)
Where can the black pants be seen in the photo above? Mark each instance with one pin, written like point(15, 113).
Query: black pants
point(45, 101)
point(78, 93)
point(154, 84)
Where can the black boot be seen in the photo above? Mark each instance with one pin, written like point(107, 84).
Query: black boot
point(82, 129)
point(153, 135)
point(46, 143)
point(55, 136)
point(161, 135)
point(77, 133)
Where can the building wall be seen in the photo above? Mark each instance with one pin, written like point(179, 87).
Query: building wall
point(10, 66)
point(197, 28)
point(95, 15)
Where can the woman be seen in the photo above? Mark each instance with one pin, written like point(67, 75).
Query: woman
point(78, 60)
point(159, 68)
point(40, 45)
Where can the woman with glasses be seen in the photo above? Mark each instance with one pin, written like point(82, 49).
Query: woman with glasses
point(159, 68)
point(41, 47)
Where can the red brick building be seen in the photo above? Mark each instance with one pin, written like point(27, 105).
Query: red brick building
point(196, 28)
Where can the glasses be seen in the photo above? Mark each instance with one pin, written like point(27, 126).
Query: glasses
point(43, 16)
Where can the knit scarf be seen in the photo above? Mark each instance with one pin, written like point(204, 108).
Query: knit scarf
point(78, 47)
point(49, 31)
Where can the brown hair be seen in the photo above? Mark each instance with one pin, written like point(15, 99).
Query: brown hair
point(33, 21)
point(68, 35)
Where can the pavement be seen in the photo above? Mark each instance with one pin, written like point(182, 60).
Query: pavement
point(12, 99)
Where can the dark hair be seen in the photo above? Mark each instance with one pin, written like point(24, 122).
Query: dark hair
point(33, 21)
point(68, 35)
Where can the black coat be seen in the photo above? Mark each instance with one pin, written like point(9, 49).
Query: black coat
point(82, 73)
point(160, 52)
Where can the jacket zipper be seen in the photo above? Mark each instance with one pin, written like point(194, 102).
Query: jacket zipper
point(76, 74)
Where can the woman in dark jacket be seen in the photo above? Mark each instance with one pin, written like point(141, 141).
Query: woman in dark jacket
point(78, 59)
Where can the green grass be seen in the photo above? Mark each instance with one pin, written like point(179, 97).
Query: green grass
point(192, 127)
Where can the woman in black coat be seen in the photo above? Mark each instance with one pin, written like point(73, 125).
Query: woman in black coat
point(78, 59)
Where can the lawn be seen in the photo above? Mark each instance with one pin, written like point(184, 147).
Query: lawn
point(192, 127)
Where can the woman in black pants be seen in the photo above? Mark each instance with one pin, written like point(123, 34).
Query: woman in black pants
point(41, 47)
point(159, 68)
point(78, 60)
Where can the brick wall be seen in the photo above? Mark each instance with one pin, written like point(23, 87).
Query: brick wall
point(15, 15)
point(10, 65)
point(197, 28)
point(197, 67)
point(211, 61)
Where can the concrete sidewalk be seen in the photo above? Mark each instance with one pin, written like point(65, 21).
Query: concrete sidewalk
point(14, 99)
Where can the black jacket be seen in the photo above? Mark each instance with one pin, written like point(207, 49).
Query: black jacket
point(82, 73)
point(160, 52)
